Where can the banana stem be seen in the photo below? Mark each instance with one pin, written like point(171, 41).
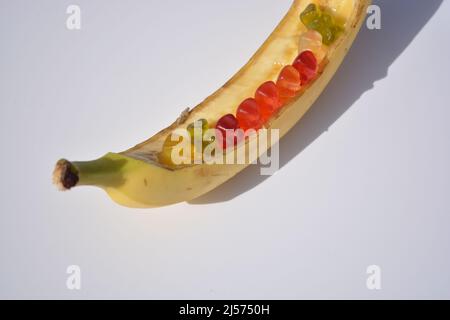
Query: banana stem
point(102, 172)
point(65, 176)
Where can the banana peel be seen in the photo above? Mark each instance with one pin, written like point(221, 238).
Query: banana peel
point(135, 178)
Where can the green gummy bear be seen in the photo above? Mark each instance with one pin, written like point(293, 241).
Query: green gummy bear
point(310, 14)
point(201, 124)
point(324, 23)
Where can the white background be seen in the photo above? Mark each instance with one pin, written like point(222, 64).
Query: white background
point(364, 177)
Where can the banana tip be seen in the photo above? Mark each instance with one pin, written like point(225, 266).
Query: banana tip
point(65, 176)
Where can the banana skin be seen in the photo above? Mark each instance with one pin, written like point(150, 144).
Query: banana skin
point(135, 179)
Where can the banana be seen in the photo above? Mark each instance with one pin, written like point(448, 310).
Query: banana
point(135, 178)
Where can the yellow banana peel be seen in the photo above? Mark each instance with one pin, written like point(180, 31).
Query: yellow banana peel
point(135, 178)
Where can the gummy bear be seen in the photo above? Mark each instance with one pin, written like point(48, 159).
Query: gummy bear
point(248, 115)
point(268, 98)
point(226, 123)
point(165, 156)
point(324, 29)
point(197, 132)
point(311, 13)
point(288, 83)
point(306, 65)
point(312, 40)
point(201, 125)
point(323, 22)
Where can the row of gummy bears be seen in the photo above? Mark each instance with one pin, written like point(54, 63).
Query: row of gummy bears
point(271, 96)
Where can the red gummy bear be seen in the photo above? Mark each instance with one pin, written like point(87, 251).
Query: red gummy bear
point(306, 65)
point(268, 98)
point(288, 83)
point(227, 123)
point(248, 115)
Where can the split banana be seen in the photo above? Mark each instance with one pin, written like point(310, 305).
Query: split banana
point(137, 177)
